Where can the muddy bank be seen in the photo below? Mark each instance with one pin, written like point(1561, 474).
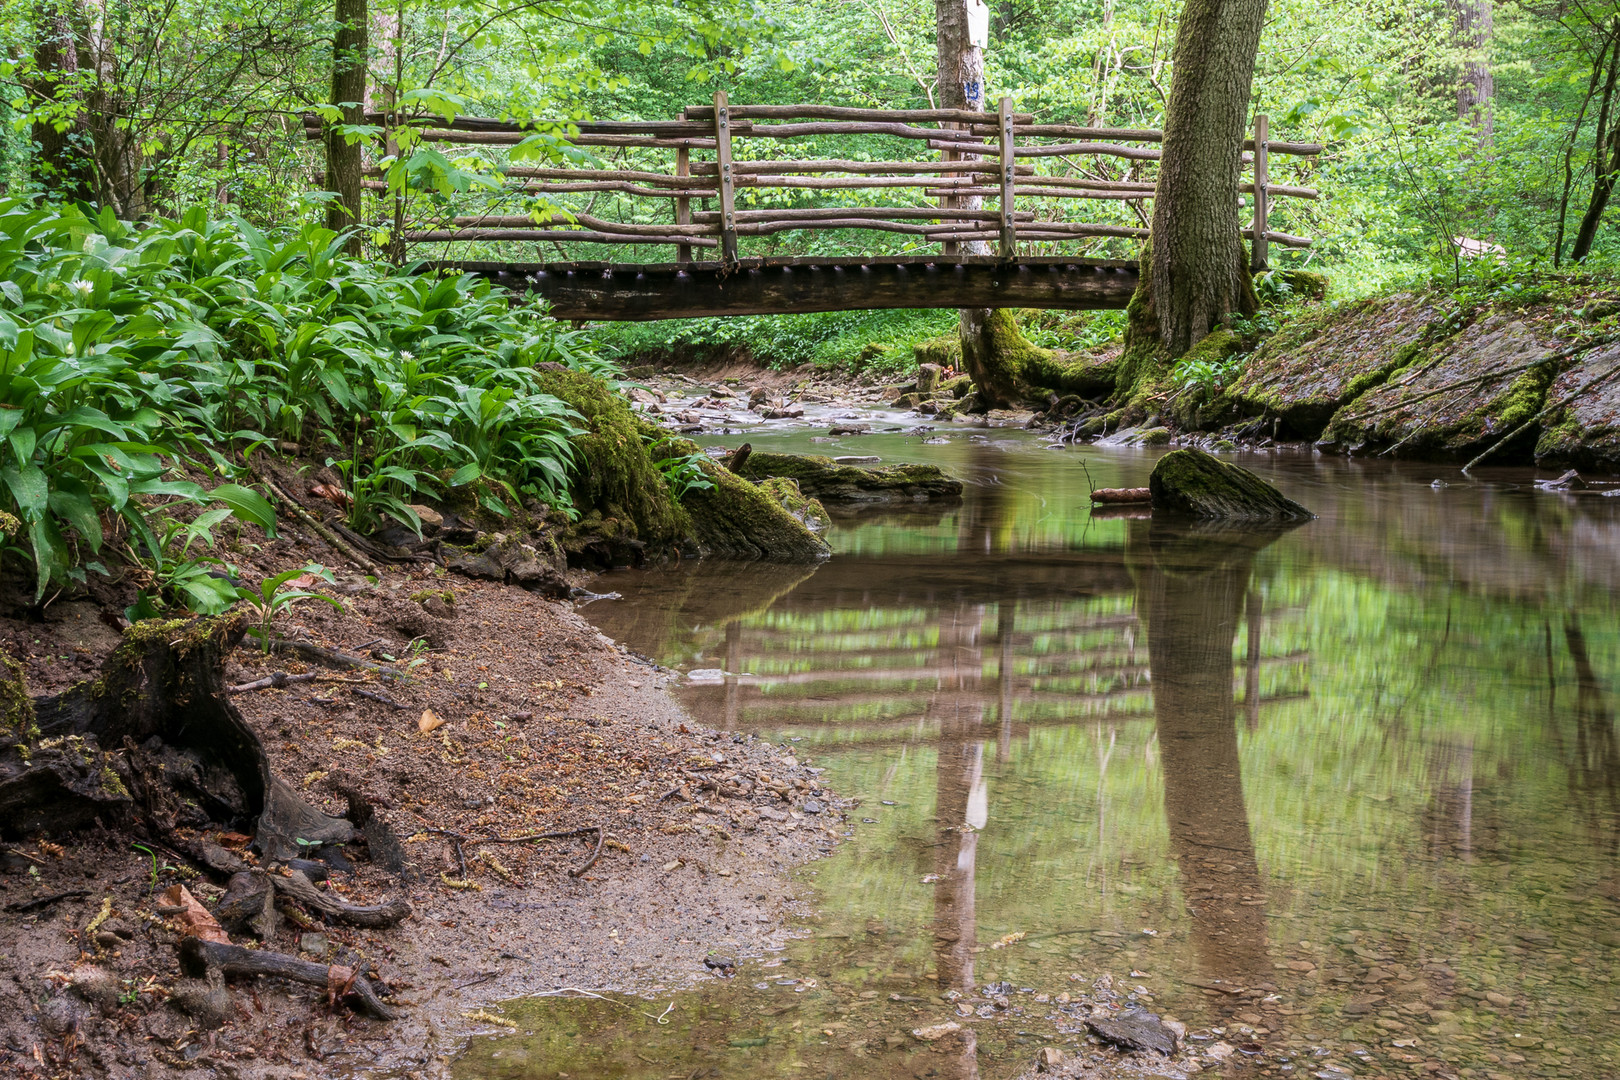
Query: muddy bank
point(547, 726)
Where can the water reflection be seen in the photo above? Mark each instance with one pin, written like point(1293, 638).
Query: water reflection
point(1394, 796)
point(1192, 586)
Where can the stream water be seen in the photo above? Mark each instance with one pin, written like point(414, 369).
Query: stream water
point(1345, 800)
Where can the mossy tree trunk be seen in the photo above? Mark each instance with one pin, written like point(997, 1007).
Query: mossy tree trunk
point(1194, 270)
point(350, 49)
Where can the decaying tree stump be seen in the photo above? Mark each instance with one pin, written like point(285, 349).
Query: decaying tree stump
point(152, 741)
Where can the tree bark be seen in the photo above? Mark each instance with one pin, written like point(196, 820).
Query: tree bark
point(63, 166)
point(350, 48)
point(1194, 271)
point(1471, 22)
point(1605, 165)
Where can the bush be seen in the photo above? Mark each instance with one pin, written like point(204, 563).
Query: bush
point(131, 356)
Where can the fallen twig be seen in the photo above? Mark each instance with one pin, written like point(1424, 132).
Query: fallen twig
point(199, 955)
point(274, 681)
point(295, 885)
point(331, 657)
point(46, 901)
point(373, 695)
point(326, 534)
point(1549, 358)
point(1522, 428)
point(458, 839)
point(662, 1018)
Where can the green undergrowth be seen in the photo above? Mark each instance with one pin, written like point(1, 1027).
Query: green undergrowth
point(143, 367)
point(880, 342)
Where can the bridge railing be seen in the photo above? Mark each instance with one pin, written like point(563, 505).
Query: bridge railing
point(976, 183)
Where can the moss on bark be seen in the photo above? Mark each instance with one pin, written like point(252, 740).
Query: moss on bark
point(1008, 369)
point(616, 484)
point(737, 519)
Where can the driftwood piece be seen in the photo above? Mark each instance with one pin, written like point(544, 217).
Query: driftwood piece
point(199, 957)
point(294, 884)
point(738, 456)
point(331, 657)
point(1121, 496)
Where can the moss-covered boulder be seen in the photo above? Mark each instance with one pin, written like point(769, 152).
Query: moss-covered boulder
point(945, 350)
point(1317, 364)
point(734, 518)
point(1452, 399)
point(1191, 483)
point(824, 479)
point(1586, 433)
point(787, 495)
point(623, 501)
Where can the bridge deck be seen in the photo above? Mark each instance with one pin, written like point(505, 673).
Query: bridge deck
point(759, 286)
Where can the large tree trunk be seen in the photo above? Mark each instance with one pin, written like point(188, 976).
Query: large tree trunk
point(63, 163)
point(343, 160)
point(1194, 269)
point(1476, 88)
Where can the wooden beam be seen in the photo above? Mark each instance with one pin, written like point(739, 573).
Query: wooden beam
point(683, 204)
point(1259, 256)
point(1009, 234)
point(770, 286)
point(728, 193)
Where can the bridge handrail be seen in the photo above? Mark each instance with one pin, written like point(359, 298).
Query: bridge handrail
point(982, 155)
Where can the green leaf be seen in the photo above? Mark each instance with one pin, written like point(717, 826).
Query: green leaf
point(29, 489)
point(248, 505)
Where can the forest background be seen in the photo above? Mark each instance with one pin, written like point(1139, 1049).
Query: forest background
point(1442, 120)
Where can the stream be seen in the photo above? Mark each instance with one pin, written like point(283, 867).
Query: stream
point(1343, 800)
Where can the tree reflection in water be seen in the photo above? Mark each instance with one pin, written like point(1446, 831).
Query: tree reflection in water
point(1191, 588)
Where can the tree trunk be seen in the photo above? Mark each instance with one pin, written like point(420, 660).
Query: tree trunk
point(985, 333)
point(119, 176)
point(343, 160)
point(1471, 22)
point(64, 167)
point(1194, 269)
point(1605, 164)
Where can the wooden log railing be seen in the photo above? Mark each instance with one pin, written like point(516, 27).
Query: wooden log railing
point(982, 157)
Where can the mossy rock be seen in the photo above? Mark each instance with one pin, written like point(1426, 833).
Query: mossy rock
point(1320, 362)
point(945, 350)
point(787, 494)
point(824, 479)
point(1191, 483)
point(1406, 417)
point(1305, 284)
point(735, 518)
point(1188, 408)
point(1586, 433)
point(614, 475)
point(959, 387)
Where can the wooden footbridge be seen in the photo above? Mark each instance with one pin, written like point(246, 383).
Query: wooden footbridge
point(985, 210)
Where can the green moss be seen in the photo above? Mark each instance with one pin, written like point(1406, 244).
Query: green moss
point(447, 595)
point(787, 494)
point(16, 707)
point(736, 518)
point(614, 475)
point(945, 350)
point(1305, 284)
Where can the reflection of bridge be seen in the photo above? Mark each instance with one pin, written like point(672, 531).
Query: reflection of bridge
point(1035, 176)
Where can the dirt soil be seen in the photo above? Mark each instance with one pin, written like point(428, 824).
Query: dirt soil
point(548, 726)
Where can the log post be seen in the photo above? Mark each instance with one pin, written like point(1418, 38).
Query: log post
point(1009, 237)
point(728, 194)
point(1259, 255)
point(683, 203)
point(947, 201)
